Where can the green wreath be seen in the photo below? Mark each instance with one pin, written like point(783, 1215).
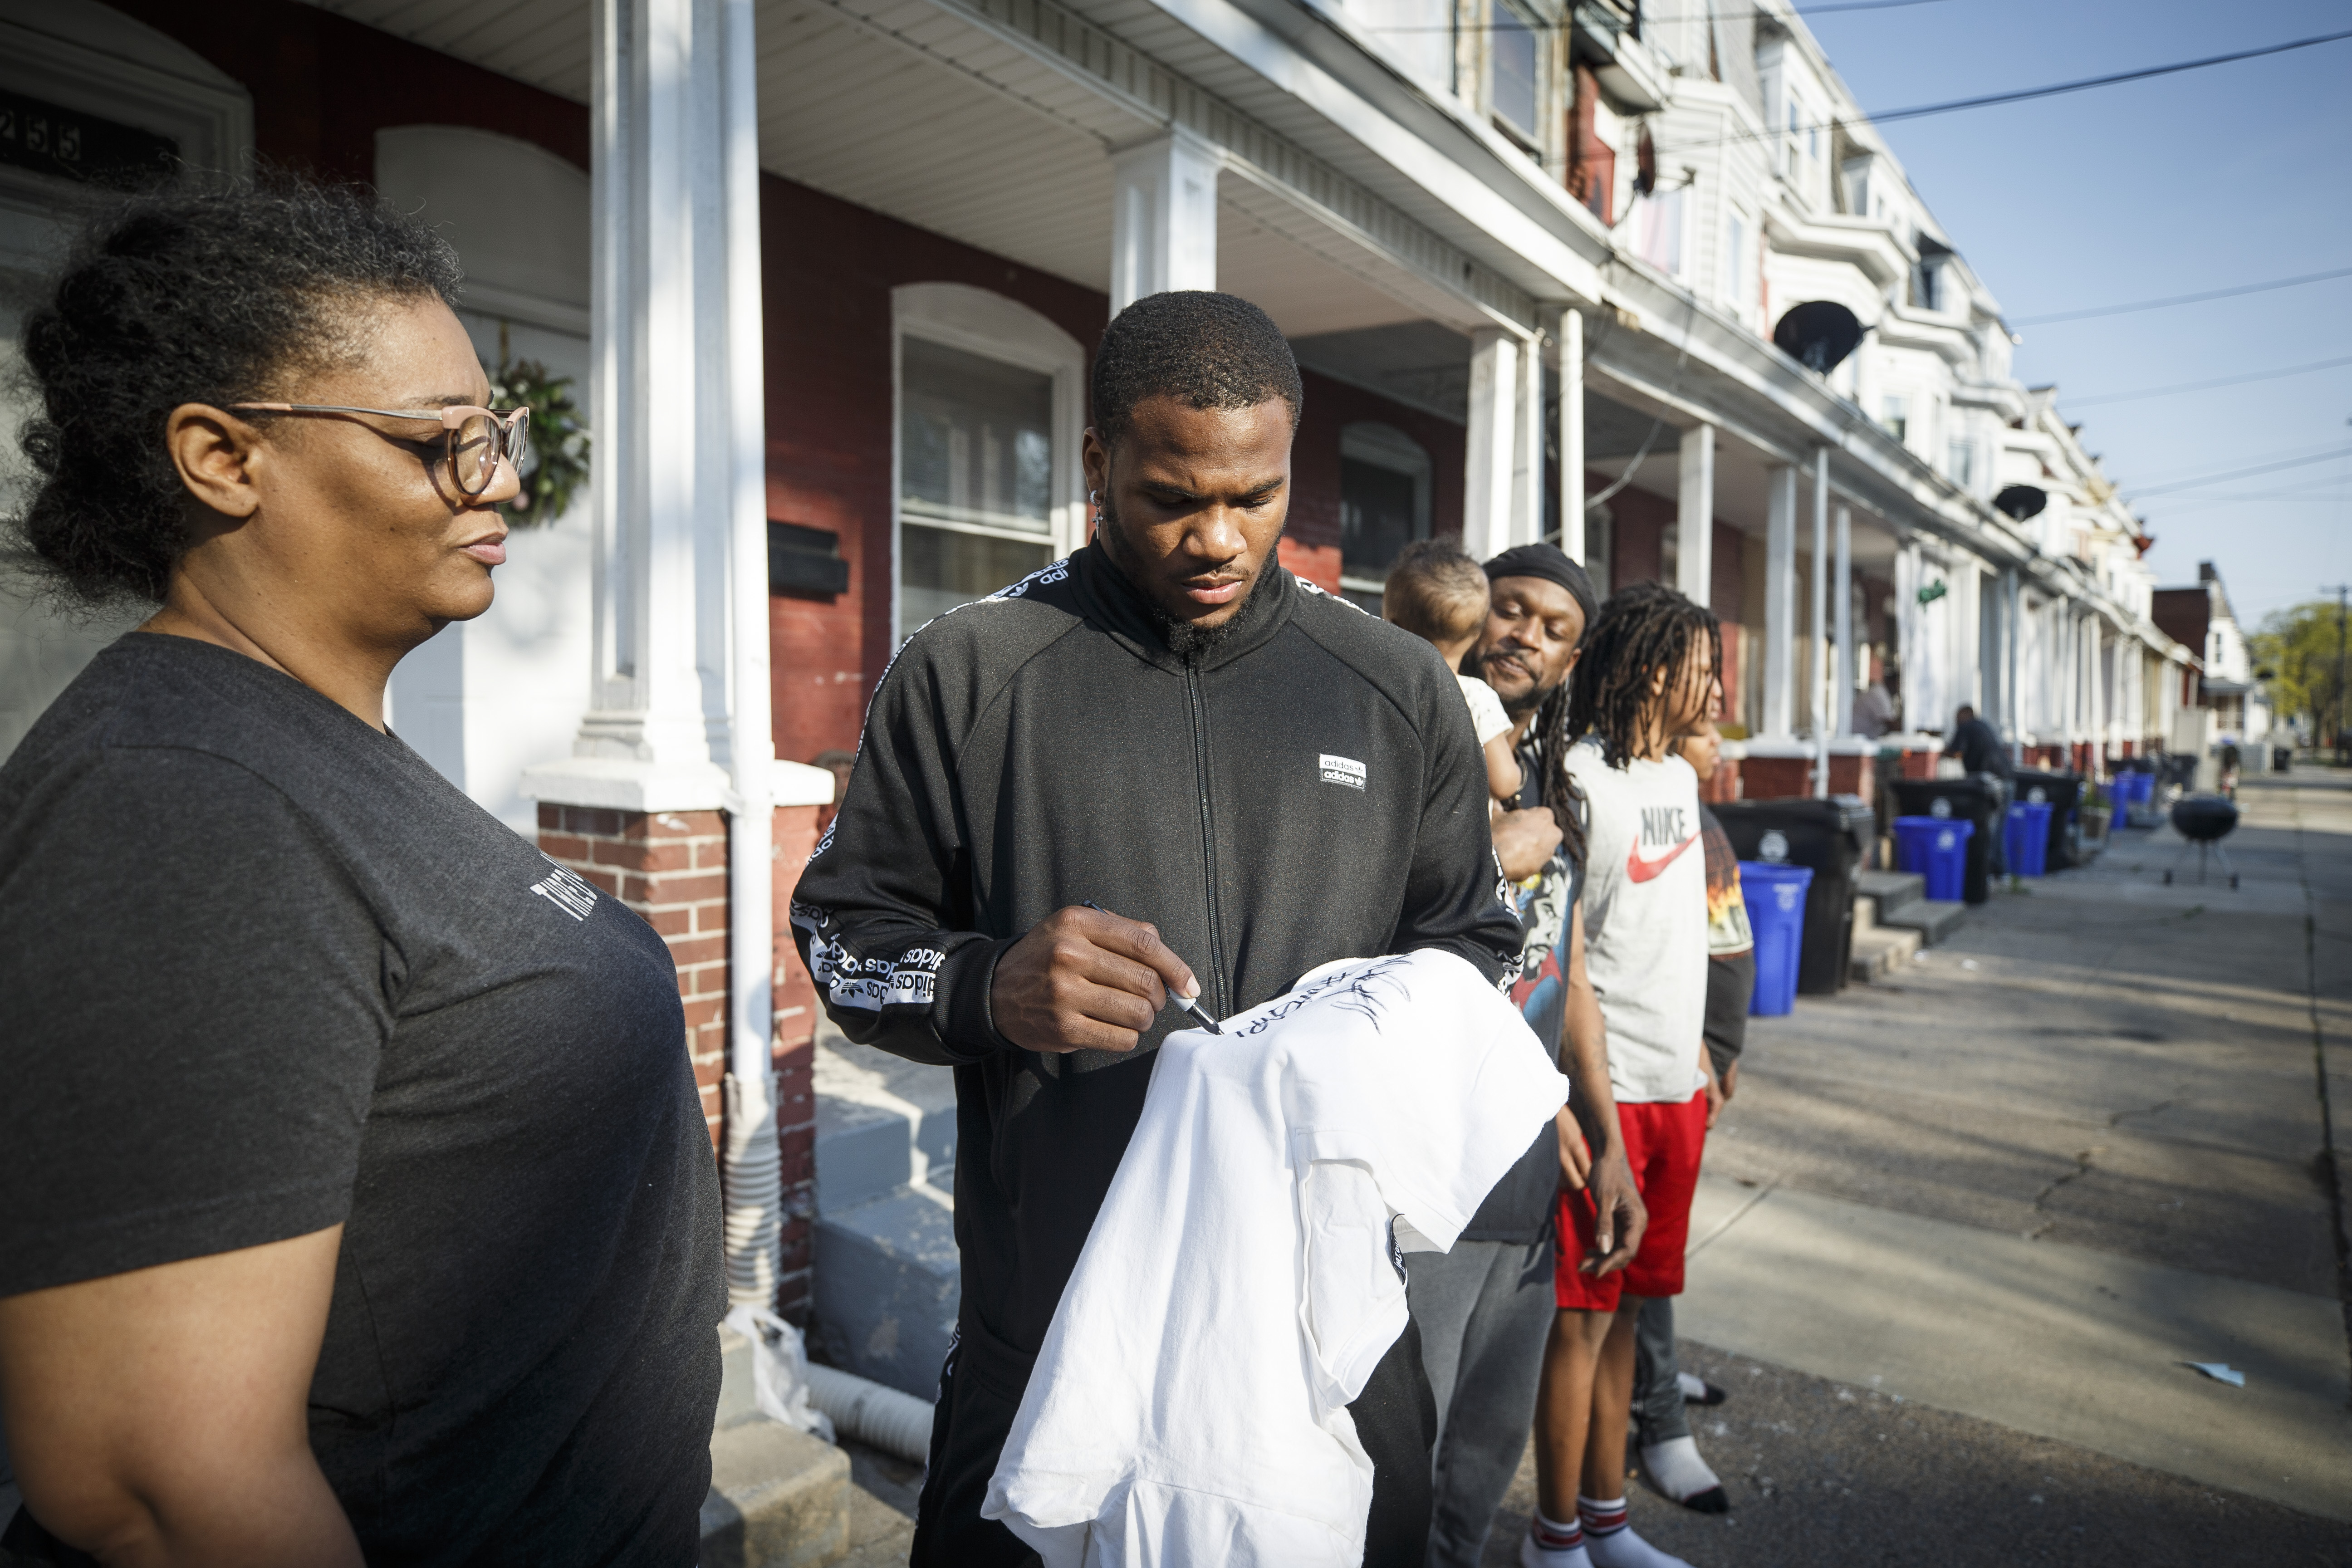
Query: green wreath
point(557, 465)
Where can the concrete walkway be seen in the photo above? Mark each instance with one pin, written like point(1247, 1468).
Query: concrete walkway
point(2029, 1178)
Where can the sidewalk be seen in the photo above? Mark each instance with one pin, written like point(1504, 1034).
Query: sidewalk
point(2019, 1184)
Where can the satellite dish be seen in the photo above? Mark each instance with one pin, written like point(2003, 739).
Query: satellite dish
point(1817, 334)
point(2021, 501)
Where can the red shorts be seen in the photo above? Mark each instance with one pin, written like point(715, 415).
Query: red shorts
point(1663, 1142)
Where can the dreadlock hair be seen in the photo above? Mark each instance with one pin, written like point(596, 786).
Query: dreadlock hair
point(1561, 791)
point(1643, 628)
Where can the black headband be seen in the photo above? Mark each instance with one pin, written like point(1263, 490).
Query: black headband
point(1552, 563)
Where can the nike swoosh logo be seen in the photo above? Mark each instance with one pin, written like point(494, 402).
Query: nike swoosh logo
point(1640, 870)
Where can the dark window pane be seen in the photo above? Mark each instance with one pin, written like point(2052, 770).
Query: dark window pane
point(940, 569)
point(1376, 517)
point(975, 439)
point(1513, 43)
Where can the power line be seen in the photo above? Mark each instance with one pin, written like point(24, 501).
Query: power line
point(2181, 299)
point(2088, 82)
point(2141, 492)
point(2206, 385)
point(1649, 16)
point(1921, 111)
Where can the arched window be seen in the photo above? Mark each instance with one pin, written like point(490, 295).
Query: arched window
point(992, 402)
point(1384, 480)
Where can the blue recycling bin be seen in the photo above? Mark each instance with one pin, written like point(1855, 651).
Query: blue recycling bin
point(2027, 839)
point(2132, 788)
point(1935, 847)
point(1775, 896)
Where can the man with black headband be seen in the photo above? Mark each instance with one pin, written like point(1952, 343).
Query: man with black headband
point(1486, 1308)
point(1250, 777)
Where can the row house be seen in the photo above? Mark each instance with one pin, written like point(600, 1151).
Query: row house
point(824, 277)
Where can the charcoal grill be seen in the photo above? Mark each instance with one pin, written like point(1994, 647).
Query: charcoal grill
point(2205, 820)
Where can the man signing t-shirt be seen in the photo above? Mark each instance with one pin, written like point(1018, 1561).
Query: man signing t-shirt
point(1250, 777)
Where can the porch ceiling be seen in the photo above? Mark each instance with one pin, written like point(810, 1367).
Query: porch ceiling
point(908, 109)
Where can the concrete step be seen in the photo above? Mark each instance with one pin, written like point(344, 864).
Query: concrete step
point(887, 1282)
point(778, 1498)
point(1892, 889)
point(1934, 919)
point(1880, 951)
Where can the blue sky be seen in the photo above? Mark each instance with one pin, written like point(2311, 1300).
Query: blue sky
point(2237, 173)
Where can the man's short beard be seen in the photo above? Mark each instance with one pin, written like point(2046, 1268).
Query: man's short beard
point(1188, 640)
point(1513, 708)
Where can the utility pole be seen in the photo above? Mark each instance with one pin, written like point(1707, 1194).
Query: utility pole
point(2341, 589)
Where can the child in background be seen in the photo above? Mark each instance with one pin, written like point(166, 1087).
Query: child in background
point(1670, 1456)
point(1439, 594)
point(1651, 667)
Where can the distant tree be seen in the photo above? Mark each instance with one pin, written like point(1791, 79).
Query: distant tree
point(2298, 647)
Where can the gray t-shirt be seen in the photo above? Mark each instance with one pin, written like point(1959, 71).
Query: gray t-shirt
point(264, 971)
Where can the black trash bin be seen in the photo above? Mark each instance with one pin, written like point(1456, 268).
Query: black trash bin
point(1975, 800)
point(1831, 838)
point(2063, 792)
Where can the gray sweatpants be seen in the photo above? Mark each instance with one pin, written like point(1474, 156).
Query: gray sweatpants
point(1483, 1309)
point(1658, 1413)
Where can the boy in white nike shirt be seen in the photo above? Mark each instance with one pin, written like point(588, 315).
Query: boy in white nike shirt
point(1651, 661)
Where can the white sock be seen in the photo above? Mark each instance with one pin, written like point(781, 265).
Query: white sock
point(1550, 1544)
point(1611, 1542)
point(1676, 1469)
point(1693, 1387)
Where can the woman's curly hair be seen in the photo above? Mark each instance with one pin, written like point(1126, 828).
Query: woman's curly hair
point(1644, 627)
point(214, 295)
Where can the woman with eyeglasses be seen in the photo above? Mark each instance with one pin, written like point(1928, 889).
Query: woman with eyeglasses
point(355, 1199)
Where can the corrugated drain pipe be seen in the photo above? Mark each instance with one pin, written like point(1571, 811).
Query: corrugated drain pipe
point(881, 1418)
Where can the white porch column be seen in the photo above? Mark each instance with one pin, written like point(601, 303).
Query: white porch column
point(2013, 660)
point(1572, 434)
point(1818, 631)
point(1779, 600)
point(1527, 447)
point(1842, 585)
point(1910, 647)
point(2099, 697)
point(1695, 516)
point(1163, 232)
point(1492, 444)
point(661, 477)
point(679, 717)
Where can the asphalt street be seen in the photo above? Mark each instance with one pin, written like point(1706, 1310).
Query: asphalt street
point(1963, 1231)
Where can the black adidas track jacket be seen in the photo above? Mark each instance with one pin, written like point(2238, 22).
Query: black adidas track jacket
point(1309, 790)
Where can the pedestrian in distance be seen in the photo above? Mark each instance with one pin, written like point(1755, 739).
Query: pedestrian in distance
point(1984, 756)
point(1977, 744)
point(1652, 663)
point(1485, 1308)
point(1249, 776)
point(357, 1203)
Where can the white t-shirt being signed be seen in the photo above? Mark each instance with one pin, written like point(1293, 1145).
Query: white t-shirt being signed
point(1242, 1279)
point(1645, 920)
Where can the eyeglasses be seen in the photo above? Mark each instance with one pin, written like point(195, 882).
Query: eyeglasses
point(475, 438)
